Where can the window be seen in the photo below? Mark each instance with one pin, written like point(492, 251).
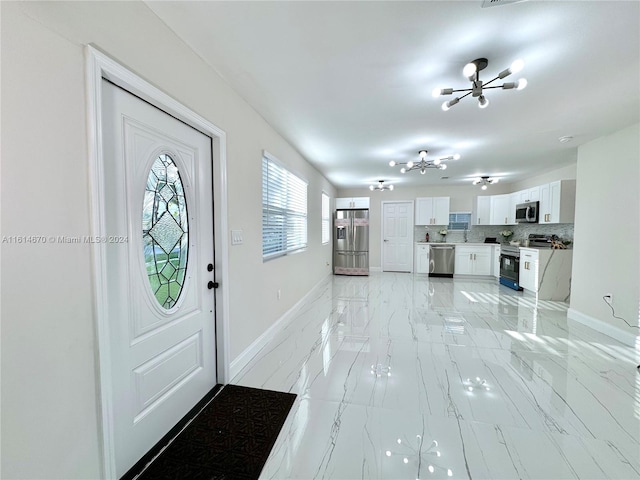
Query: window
point(284, 209)
point(326, 220)
point(459, 220)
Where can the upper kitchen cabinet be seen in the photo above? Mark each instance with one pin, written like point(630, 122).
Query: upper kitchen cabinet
point(501, 209)
point(432, 211)
point(482, 213)
point(354, 202)
point(528, 195)
point(557, 202)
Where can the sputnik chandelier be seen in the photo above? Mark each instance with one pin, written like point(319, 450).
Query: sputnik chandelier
point(484, 181)
point(381, 186)
point(423, 163)
point(472, 72)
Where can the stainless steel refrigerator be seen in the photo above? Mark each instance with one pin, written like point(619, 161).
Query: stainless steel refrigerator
point(351, 242)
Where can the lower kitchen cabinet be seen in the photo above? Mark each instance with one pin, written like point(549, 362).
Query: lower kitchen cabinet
point(474, 260)
point(546, 273)
point(421, 259)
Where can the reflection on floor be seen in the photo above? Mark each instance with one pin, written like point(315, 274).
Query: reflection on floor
point(402, 376)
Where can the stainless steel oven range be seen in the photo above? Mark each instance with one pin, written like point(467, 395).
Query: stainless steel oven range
point(510, 266)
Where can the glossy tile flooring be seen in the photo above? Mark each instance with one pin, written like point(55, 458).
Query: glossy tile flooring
point(400, 376)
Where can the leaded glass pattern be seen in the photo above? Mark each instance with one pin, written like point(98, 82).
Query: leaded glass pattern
point(165, 231)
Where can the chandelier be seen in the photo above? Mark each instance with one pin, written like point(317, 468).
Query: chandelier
point(472, 72)
point(381, 186)
point(423, 163)
point(484, 181)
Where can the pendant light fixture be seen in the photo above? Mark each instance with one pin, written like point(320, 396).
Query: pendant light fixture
point(472, 72)
point(381, 186)
point(484, 181)
point(423, 164)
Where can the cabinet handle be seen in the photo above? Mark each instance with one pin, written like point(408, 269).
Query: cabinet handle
point(505, 219)
point(478, 220)
point(471, 256)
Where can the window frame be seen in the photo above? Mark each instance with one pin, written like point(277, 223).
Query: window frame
point(293, 222)
point(459, 229)
point(325, 224)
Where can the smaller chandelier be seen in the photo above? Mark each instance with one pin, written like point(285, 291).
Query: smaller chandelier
point(423, 163)
point(381, 186)
point(472, 72)
point(484, 181)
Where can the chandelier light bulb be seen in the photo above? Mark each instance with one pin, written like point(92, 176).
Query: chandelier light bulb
point(371, 187)
point(521, 84)
point(436, 92)
point(390, 187)
point(392, 163)
point(423, 171)
point(437, 161)
point(442, 166)
point(483, 102)
point(403, 170)
point(445, 106)
point(456, 156)
point(517, 65)
point(409, 164)
point(469, 69)
point(476, 181)
point(483, 187)
point(494, 180)
point(423, 154)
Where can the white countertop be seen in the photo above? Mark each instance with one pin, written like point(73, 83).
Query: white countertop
point(471, 244)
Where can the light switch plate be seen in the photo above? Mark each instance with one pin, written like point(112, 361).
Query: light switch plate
point(236, 237)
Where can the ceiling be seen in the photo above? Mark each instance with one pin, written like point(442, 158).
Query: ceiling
point(349, 84)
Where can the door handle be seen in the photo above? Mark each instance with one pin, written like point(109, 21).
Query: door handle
point(212, 284)
point(210, 267)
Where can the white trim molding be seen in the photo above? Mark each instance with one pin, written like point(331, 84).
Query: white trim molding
point(101, 66)
point(258, 344)
point(612, 331)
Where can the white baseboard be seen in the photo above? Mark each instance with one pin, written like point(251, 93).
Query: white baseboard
point(614, 332)
point(375, 269)
point(252, 350)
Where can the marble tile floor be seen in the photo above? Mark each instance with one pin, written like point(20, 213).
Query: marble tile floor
point(401, 376)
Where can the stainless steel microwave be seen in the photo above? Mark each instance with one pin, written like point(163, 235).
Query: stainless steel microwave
point(527, 212)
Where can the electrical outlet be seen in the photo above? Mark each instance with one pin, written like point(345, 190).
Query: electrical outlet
point(608, 297)
point(279, 293)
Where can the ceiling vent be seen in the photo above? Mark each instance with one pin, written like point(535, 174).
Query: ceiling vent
point(497, 3)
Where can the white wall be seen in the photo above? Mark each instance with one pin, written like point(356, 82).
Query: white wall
point(607, 232)
point(50, 424)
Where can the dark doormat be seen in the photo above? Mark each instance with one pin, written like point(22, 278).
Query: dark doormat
point(230, 439)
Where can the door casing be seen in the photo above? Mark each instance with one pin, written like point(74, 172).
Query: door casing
point(99, 66)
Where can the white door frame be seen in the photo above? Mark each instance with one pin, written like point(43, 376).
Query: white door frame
point(382, 204)
point(100, 66)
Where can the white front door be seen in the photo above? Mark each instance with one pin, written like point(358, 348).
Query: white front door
point(397, 236)
point(159, 220)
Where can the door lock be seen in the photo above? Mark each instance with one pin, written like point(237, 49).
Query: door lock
point(212, 284)
point(210, 267)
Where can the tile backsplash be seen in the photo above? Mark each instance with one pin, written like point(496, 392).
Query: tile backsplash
point(477, 234)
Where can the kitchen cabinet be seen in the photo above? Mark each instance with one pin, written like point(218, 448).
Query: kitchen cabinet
point(528, 275)
point(528, 195)
point(482, 213)
point(473, 260)
point(501, 205)
point(353, 202)
point(422, 258)
point(557, 202)
point(546, 273)
point(496, 261)
point(432, 211)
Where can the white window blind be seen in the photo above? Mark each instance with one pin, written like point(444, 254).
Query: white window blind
point(459, 220)
point(326, 219)
point(284, 210)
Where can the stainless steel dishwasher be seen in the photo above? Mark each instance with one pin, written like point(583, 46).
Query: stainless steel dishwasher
point(441, 260)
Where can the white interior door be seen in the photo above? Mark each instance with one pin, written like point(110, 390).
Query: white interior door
point(397, 236)
point(159, 219)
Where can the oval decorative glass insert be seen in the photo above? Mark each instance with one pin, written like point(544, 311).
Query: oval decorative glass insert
point(165, 231)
